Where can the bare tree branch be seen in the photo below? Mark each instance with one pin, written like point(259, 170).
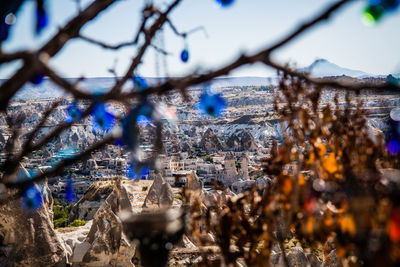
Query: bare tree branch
point(149, 35)
point(185, 34)
point(107, 46)
point(52, 47)
point(56, 170)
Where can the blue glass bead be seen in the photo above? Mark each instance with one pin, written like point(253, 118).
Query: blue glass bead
point(69, 191)
point(4, 30)
point(139, 82)
point(143, 120)
point(31, 198)
point(387, 5)
point(144, 171)
point(130, 132)
point(393, 147)
point(37, 78)
point(185, 55)
point(73, 112)
point(119, 142)
point(225, 3)
point(212, 104)
point(140, 115)
point(130, 171)
point(102, 119)
point(41, 19)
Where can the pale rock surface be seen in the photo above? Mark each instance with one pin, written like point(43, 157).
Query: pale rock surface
point(73, 236)
point(28, 238)
point(106, 244)
point(213, 197)
point(160, 194)
point(87, 206)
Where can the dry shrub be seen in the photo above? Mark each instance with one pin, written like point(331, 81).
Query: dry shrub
point(331, 188)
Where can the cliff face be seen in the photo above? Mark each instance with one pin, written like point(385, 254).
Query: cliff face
point(28, 238)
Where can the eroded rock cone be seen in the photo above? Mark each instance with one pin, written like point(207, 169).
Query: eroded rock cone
point(87, 206)
point(194, 182)
point(194, 187)
point(106, 244)
point(28, 238)
point(210, 141)
point(160, 193)
point(247, 141)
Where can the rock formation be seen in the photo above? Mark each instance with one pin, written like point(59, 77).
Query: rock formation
point(185, 147)
point(106, 244)
point(296, 258)
point(28, 238)
point(214, 198)
point(87, 206)
point(233, 142)
point(194, 182)
point(160, 193)
point(247, 141)
point(242, 141)
point(210, 142)
point(242, 186)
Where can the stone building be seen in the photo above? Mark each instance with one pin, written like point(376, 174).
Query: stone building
point(244, 167)
point(230, 169)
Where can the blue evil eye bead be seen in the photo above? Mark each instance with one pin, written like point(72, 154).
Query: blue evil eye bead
point(41, 18)
point(5, 25)
point(69, 191)
point(143, 120)
point(102, 119)
point(37, 78)
point(139, 82)
point(212, 104)
point(140, 115)
point(4, 30)
point(119, 142)
point(185, 55)
point(73, 112)
point(144, 172)
point(130, 131)
point(31, 198)
point(130, 171)
point(225, 3)
point(390, 5)
point(393, 147)
point(387, 5)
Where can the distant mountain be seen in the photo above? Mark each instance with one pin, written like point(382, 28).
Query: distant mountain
point(48, 89)
point(325, 68)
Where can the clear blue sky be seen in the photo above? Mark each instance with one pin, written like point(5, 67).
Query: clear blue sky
point(246, 26)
